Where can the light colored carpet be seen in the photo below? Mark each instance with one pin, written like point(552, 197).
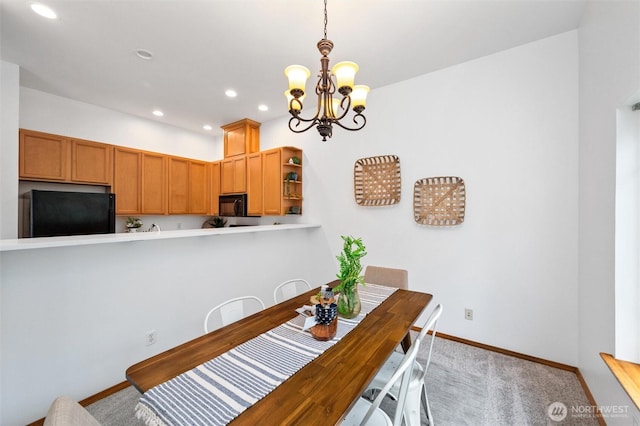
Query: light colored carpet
point(466, 386)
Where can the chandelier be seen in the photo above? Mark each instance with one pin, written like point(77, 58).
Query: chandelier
point(329, 111)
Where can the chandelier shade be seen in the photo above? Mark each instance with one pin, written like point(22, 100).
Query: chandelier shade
point(329, 110)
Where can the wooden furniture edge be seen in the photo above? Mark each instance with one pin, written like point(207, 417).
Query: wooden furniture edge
point(628, 375)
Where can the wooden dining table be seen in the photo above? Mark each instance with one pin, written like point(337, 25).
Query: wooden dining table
point(323, 391)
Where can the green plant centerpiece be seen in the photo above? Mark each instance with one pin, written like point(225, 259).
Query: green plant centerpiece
point(349, 276)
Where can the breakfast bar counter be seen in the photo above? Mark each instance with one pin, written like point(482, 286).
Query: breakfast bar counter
point(81, 240)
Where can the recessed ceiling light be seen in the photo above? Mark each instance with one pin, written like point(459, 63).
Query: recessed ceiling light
point(44, 11)
point(144, 54)
point(263, 108)
point(231, 93)
point(158, 113)
point(207, 127)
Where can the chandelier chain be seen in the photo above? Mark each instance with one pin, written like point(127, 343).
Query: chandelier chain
point(325, 19)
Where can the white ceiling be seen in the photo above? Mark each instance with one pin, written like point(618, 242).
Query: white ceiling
point(201, 48)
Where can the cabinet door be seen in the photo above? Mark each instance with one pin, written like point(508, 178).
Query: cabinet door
point(272, 182)
point(178, 185)
point(235, 142)
point(254, 184)
point(233, 175)
point(154, 183)
point(226, 177)
point(214, 209)
point(91, 162)
point(126, 181)
point(43, 156)
point(199, 187)
point(240, 174)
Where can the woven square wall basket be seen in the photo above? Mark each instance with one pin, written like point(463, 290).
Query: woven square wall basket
point(439, 201)
point(377, 180)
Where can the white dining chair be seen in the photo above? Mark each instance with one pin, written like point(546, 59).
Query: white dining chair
point(417, 391)
point(289, 289)
point(365, 412)
point(231, 311)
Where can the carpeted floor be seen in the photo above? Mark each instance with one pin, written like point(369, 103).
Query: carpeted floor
point(466, 386)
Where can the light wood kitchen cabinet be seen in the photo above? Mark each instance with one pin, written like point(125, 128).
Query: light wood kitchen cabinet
point(214, 209)
point(178, 185)
point(233, 175)
point(241, 137)
point(199, 187)
point(153, 185)
point(140, 182)
point(43, 156)
point(91, 162)
point(188, 186)
point(282, 181)
point(126, 181)
point(254, 184)
point(55, 158)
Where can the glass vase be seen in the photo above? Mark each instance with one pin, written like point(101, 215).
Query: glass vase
point(349, 302)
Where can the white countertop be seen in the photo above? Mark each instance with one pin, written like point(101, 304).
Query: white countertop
point(79, 240)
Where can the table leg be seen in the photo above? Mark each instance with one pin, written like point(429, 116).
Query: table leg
point(406, 342)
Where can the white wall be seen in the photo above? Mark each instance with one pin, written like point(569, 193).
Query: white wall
point(53, 114)
point(609, 76)
point(9, 104)
point(507, 124)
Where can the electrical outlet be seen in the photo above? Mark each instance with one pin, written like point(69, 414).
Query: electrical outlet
point(468, 314)
point(151, 337)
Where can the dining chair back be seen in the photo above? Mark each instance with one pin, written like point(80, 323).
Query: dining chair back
point(231, 311)
point(417, 390)
point(365, 412)
point(391, 277)
point(289, 289)
point(65, 411)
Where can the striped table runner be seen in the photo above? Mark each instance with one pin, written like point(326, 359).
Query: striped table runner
point(216, 392)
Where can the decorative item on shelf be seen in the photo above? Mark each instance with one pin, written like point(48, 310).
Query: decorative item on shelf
point(350, 276)
point(294, 160)
point(133, 223)
point(329, 111)
point(215, 222)
point(293, 210)
point(439, 201)
point(377, 180)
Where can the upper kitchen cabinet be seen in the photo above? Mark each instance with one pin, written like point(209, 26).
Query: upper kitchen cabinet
point(215, 188)
point(233, 175)
point(254, 184)
point(91, 162)
point(126, 180)
point(55, 158)
point(43, 156)
point(188, 186)
point(241, 137)
point(282, 181)
point(139, 182)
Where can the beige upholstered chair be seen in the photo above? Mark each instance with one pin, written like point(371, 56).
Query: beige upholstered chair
point(64, 411)
point(391, 277)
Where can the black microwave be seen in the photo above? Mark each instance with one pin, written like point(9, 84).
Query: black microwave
point(233, 205)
